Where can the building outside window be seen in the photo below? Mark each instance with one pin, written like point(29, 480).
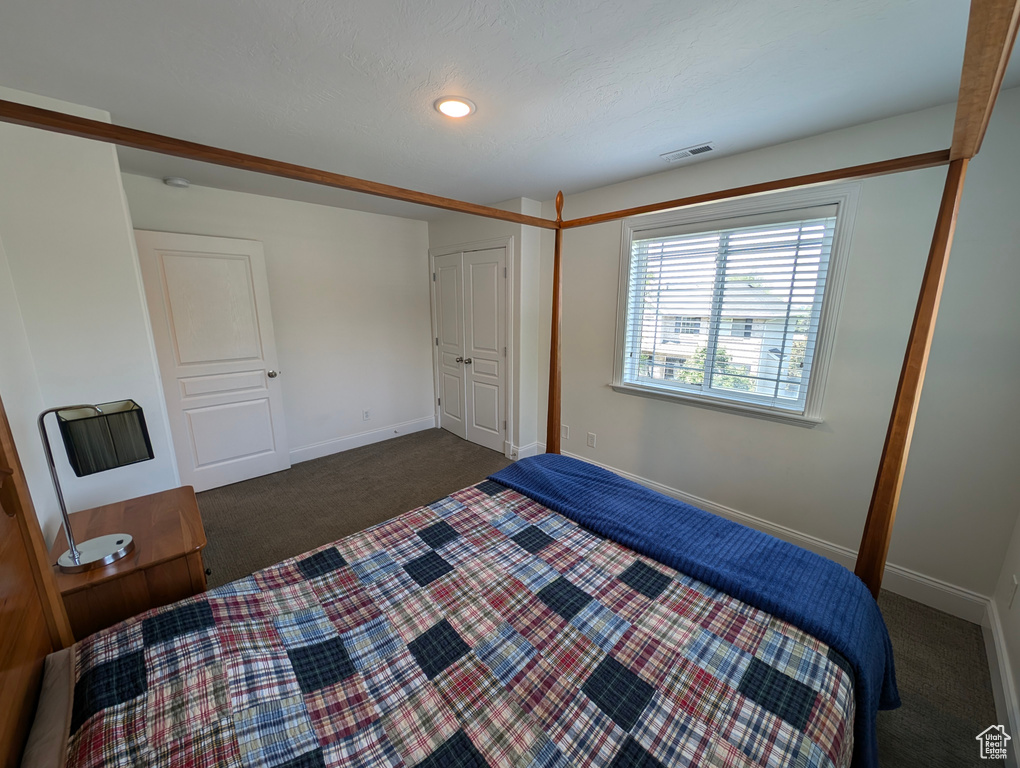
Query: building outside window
point(670, 369)
point(740, 326)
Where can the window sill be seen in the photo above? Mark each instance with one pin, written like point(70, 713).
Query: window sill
point(783, 417)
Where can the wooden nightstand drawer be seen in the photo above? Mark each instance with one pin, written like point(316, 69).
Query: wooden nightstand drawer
point(165, 565)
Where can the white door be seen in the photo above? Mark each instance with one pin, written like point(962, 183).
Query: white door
point(449, 281)
point(484, 349)
point(208, 302)
point(470, 301)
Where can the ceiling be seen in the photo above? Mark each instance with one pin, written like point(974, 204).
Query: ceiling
point(571, 94)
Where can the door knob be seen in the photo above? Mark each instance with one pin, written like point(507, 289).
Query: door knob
point(460, 359)
point(273, 374)
point(467, 361)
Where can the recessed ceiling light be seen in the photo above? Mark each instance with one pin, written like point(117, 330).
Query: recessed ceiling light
point(176, 181)
point(455, 106)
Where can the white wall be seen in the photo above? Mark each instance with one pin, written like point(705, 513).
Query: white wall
point(19, 388)
point(350, 300)
point(76, 314)
point(460, 229)
point(992, 407)
point(959, 497)
point(1005, 626)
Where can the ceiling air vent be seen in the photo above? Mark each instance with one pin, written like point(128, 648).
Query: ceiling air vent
point(681, 154)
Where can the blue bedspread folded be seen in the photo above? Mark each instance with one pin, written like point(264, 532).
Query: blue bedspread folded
point(811, 592)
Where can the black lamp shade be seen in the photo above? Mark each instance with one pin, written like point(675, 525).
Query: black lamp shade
point(113, 438)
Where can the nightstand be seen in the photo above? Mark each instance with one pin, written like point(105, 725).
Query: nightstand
point(165, 565)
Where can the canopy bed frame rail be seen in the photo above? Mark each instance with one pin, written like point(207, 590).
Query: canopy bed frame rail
point(992, 30)
point(71, 125)
point(881, 168)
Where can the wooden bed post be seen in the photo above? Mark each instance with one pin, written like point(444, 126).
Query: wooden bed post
point(886, 495)
point(552, 429)
point(991, 32)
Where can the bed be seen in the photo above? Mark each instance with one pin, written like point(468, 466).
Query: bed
point(483, 629)
point(510, 650)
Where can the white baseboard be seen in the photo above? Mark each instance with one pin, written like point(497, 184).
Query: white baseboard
point(327, 447)
point(531, 449)
point(938, 594)
point(1003, 687)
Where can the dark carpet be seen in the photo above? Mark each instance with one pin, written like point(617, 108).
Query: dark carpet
point(941, 665)
point(945, 686)
point(259, 522)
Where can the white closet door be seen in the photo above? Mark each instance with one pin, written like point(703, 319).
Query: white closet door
point(450, 329)
point(485, 342)
point(470, 317)
point(208, 302)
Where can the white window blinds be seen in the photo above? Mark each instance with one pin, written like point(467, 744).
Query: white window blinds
point(729, 313)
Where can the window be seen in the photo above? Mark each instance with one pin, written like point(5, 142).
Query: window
point(733, 305)
point(688, 325)
point(674, 326)
point(669, 371)
point(740, 326)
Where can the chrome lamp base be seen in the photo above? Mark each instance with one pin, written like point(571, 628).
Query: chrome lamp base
point(97, 552)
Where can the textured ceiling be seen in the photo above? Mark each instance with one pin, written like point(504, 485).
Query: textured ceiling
point(571, 94)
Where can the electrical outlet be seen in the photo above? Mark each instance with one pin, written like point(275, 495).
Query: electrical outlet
point(591, 439)
point(366, 414)
point(565, 432)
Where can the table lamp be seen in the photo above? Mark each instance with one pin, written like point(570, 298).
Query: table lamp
point(96, 438)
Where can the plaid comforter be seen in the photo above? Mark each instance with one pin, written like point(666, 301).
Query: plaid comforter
point(483, 629)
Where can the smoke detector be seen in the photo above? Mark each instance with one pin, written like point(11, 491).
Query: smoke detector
point(692, 151)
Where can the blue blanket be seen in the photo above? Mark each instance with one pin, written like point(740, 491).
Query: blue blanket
point(811, 592)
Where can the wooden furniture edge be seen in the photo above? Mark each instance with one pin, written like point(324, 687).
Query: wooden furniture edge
point(117, 570)
point(35, 622)
point(114, 575)
point(16, 499)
